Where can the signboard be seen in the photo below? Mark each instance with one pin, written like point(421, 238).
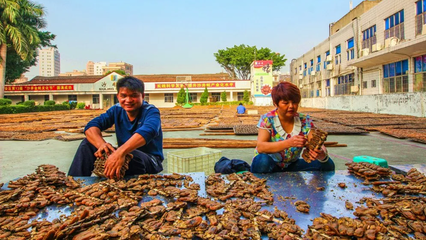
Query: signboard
point(195, 85)
point(108, 82)
point(261, 73)
point(38, 88)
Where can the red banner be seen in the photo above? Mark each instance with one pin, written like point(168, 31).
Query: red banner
point(195, 85)
point(39, 88)
point(261, 63)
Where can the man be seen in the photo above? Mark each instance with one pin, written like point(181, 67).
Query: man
point(138, 131)
point(241, 109)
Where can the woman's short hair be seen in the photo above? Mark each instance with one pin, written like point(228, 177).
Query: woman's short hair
point(131, 83)
point(286, 91)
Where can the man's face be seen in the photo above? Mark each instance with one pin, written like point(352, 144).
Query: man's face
point(130, 100)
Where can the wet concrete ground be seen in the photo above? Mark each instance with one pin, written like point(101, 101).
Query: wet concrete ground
point(19, 158)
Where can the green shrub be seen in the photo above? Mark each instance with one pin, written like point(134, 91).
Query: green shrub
point(73, 104)
point(49, 103)
point(246, 96)
point(29, 103)
point(81, 105)
point(20, 103)
point(204, 96)
point(5, 101)
point(223, 96)
point(15, 109)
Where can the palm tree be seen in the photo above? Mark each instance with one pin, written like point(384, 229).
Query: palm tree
point(19, 22)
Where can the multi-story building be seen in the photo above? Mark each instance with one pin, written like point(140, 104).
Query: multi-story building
point(374, 60)
point(49, 61)
point(126, 67)
point(90, 68)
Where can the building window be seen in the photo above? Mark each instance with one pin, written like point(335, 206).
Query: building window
point(373, 83)
point(95, 98)
point(420, 16)
point(327, 87)
point(240, 96)
point(146, 98)
point(168, 97)
point(395, 77)
point(350, 53)
point(369, 37)
point(215, 97)
point(72, 98)
point(344, 84)
point(420, 74)
point(338, 58)
point(311, 66)
point(305, 67)
point(318, 68)
point(326, 62)
point(364, 84)
point(193, 97)
point(394, 25)
point(46, 98)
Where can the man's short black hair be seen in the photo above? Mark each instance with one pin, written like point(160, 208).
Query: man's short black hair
point(131, 83)
point(241, 103)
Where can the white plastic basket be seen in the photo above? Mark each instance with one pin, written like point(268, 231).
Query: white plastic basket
point(200, 159)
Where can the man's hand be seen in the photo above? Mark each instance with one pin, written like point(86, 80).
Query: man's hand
point(297, 141)
point(104, 148)
point(113, 165)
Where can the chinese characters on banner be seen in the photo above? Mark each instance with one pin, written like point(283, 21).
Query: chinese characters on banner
point(261, 73)
point(39, 88)
point(195, 85)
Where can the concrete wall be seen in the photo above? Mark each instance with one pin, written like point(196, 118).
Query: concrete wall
point(413, 104)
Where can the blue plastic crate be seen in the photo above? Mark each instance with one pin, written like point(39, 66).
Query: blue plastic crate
point(374, 160)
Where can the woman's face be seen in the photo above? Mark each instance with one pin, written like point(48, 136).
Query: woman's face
point(287, 108)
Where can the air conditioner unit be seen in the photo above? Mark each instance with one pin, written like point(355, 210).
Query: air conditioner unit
point(354, 89)
point(424, 29)
point(300, 73)
point(390, 42)
point(328, 58)
point(365, 52)
point(376, 47)
point(312, 73)
point(300, 77)
point(330, 67)
point(394, 41)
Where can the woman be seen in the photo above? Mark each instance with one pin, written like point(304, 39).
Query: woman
point(282, 136)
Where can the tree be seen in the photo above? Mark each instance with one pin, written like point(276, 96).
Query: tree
point(237, 60)
point(119, 71)
point(19, 24)
point(246, 96)
point(181, 96)
point(204, 96)
point(16, 66)
point(223, 96)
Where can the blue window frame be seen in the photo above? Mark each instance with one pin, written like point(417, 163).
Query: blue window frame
point(394, 20)
point(350, 43)
point(338, 49)
point(312, 62)
point(421, 6)
point(305, 65)
point(396, 68)
point(318, 58)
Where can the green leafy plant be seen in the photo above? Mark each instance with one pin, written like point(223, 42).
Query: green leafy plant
point(223, 96)
point(204, 97)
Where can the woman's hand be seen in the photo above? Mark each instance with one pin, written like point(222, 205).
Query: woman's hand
point(319, 154)
point(104, 148)
point(297, 141)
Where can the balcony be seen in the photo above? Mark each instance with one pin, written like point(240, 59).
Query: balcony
point(368, 43)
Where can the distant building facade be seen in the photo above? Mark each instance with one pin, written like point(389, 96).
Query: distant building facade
point(374, 60)
point(49, 61)
point(126, 67)
point(74, 73)
point(100, 91)
point(90, 68)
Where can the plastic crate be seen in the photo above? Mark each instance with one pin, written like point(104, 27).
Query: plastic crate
point(200, 159)
point(374, 160)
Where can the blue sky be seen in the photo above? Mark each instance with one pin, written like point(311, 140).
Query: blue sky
point(181, 36)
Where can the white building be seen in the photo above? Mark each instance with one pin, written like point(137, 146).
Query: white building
point(49, 61)
point(374, 61)
point(98, 68)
